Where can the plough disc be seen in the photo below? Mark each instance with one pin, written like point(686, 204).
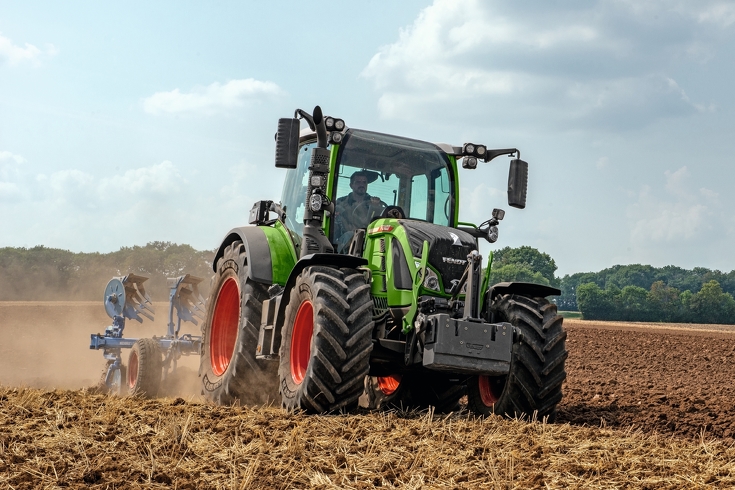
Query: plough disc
point(186, 299)
point(125, 296)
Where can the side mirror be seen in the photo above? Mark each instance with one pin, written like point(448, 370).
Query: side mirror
point(287, 143)
point(517, 183)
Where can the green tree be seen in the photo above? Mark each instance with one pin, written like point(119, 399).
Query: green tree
point(634, 304)
point(664, 302)
point(527, 258)
point(596, 303)
point(712, 305)
point(517, 273)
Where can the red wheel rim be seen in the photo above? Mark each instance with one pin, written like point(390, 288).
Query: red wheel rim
point(225, 323)
point(488, 393)
point(132, 369)
point(389, 384)
point(303, 329)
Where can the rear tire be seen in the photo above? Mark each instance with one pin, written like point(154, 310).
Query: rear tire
point(229, 370)
point(326, 340)
point(533, 386)
point(144, 368)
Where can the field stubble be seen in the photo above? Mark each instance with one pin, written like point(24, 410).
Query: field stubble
point(644, 407)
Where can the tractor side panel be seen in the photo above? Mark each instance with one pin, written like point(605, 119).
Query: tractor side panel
point(282, 252)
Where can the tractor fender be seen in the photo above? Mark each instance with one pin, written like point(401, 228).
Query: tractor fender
point(334, 260)
point(521, 288)
point(270, 252)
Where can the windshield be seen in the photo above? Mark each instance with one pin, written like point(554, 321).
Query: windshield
point(376, 170)
point(293, 197)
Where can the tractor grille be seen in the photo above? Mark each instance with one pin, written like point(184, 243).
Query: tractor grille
point(442, 246)
point(380, 306)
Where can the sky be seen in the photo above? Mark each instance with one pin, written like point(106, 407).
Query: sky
point(125, 123)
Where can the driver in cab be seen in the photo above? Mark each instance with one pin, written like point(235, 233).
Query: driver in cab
point(358, 208)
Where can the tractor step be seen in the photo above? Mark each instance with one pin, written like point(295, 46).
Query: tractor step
point(267, 349)
point(469, 347)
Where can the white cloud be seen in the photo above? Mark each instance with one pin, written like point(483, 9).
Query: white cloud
point(10, 173)
point(478, 202)
point(684, 213)
point(600, 64)
point(722, 13)
point(212, 98)
point(161, 179)
point(14, 54)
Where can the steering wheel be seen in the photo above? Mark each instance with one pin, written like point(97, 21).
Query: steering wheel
point(395, 212)
point(446, 207)
point(364, 217)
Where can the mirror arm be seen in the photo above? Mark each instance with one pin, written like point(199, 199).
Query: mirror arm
point(496, 153)
point(306, 117)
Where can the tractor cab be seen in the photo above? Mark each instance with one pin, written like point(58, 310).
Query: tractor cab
point(374, 175)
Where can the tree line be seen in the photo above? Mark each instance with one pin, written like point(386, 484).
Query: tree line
point(51, 274)
point(623, 292)
point(626, 292)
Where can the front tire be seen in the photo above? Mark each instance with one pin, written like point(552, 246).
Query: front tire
point(144, 368)
point(228, 367)
point(326, 340)
point(533, 386)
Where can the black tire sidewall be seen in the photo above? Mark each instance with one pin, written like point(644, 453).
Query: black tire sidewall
point(246, 379)
point(148, 377)
point(211, 382)
point(290, 390)
point(512, 398)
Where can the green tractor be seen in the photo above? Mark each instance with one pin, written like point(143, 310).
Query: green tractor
point(361, 287)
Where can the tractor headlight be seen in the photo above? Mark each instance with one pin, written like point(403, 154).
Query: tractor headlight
point(315, 202)
point(335, 138)
point(473, 150)
point(334, 124)
point(469, 162)
point(492, 234)
point(431, 281)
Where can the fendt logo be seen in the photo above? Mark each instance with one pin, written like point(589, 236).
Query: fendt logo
point(451, 260)
point(455, 238)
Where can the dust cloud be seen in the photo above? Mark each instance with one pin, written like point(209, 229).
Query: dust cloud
point(45, 344)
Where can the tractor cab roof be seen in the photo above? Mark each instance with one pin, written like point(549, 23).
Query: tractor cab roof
point(307, 134)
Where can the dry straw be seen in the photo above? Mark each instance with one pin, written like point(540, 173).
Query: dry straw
point(52, 439)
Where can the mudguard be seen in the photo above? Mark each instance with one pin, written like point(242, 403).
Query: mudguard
point(270, 252)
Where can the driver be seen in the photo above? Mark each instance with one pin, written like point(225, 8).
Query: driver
point(358, 208)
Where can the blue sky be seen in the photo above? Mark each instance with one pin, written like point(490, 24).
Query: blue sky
point(122, 124)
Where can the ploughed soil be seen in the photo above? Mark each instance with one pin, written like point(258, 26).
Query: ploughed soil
point(645, 406)
point(671, 379)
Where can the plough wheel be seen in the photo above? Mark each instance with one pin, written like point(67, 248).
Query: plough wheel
point(144, 368)
point(533, 386)
point(228, 367)
point(326, 340)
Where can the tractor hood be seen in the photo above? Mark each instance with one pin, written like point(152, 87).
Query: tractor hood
point(448, 247)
